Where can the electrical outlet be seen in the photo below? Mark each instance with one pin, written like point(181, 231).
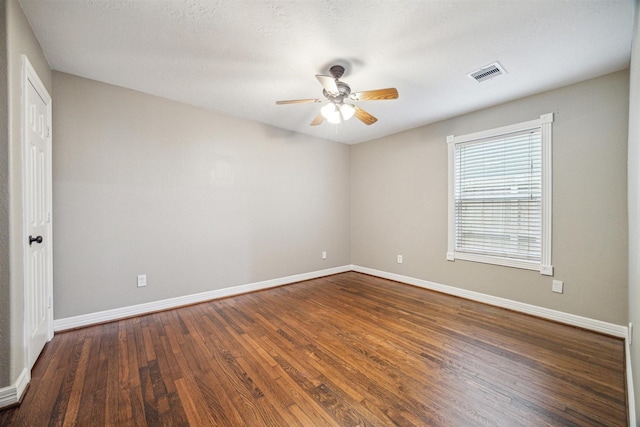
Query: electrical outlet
point(142, 280)
point(324, 254)
point(558, 286)
point(399, 259)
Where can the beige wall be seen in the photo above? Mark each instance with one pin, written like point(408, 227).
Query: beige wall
point(634, 205)
point(200, 201)
point(19, 41)
point(399, 202)
point(196, 200)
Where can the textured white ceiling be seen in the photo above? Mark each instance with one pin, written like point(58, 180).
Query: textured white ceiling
point(239, 57)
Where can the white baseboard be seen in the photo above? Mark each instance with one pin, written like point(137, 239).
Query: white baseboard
point(12, 394)
point(166, 304)
point(631, 399)
point(546, 313)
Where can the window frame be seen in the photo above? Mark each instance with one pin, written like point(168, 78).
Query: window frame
point(544, 124)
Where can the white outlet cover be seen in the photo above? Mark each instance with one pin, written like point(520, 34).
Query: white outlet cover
point(399, 259)
point(142, 280)
point(558, 286)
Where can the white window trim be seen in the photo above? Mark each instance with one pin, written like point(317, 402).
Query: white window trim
point(544, 267)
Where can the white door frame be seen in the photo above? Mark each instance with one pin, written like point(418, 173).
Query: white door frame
point(29, 76)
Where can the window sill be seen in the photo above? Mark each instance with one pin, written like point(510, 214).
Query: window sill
point(546, 270)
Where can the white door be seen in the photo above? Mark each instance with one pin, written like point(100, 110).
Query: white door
point(37, 193)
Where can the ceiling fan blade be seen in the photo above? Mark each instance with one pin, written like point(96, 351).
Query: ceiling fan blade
point(318, 120)
point(328, 83)
point(375, 95)
point(297, 101)
point(364, 117)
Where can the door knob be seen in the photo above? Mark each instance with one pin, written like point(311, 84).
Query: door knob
point(37, 239)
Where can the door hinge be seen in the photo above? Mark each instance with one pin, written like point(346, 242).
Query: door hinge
point(48, 132)
point(50, 302)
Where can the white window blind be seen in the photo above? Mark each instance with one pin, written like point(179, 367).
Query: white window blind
point(498, 196)
point(500, 184)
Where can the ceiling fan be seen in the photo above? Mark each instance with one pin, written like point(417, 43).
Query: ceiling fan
point(339, 97)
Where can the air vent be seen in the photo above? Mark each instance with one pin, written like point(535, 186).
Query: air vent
point(488, 72)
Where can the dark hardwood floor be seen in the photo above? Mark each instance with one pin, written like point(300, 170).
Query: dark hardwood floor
point(344, 350)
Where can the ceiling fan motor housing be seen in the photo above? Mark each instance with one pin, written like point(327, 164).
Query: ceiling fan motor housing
point(336, 71)
point(344, 90)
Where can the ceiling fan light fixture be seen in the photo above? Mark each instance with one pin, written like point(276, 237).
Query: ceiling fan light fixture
point(331, 113)
point(347, 111)
point(335, 119)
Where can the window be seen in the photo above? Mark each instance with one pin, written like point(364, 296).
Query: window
point(500, 196)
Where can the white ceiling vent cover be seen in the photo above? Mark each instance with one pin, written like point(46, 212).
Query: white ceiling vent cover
point(488, 72)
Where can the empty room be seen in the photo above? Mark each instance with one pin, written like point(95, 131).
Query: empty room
point(319, 213)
